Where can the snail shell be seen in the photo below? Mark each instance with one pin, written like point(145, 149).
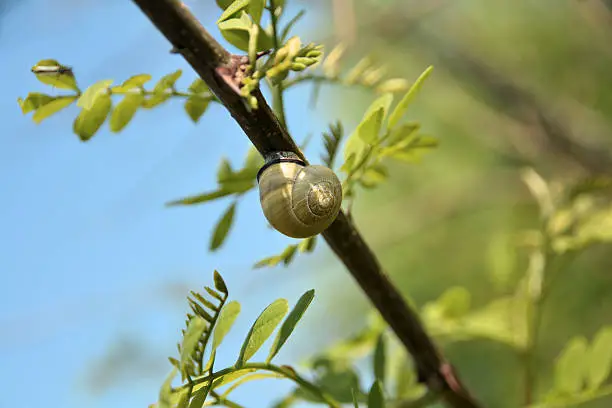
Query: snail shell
point(298, 200)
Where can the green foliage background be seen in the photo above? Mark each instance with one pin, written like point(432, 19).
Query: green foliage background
point(452, 217)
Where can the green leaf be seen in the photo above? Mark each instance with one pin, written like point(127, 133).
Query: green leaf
point(167, 81)
point(332, 143)
point(200, 198)
point(455, 302)
point(501, 320)
point(402, 106)
point(51, 63)
point(410, 150)
point(199, 397)
point(570, 367)
point(262, 329)
point(183, 398)
point(369, 128)
point(502, 259)
point(174, 362)
point(253, 36)
point(239, 185)
point(376, 398)
point(270, 261)
point(211, 361)
point(91, 94)
point(308, 244)
point(135, 81)
point(90, 120)
point(228, 315)
point(256, 8)
point(192, 336)
point(254, 160)
point(59, 80)
point(165, 393)
point(155, 100)
point(52, 107)
point(233, 376)
point(355, 403)
point(356, 73)
point(336, 377)
point(406, 386)
point(288, 254)
point(379, 362)
point(214, 294)
point(223, 227)
point(33, 101)
point(383, 102)
point(290, 24)
point(223, 4)
point(278, 4)
point(600, 358)
point(125, 111)
point(290, 323)
point(285, 257)
point(393, 85)
point(257, 376)
point(374, 175)
point(195, 106)
point(198, 86)
point(350, 161)
point(402, 134)
point(236, 32)
point(224, 172)
point(220, 283)
point(234, 8)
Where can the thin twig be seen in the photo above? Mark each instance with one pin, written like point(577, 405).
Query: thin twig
point(216, 66)
point(283, 372)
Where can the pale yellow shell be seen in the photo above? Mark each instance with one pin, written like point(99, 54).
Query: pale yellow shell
point(299, 201)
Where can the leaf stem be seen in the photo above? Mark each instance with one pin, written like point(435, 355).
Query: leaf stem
point(291, 375)
point(535, 283)
point(318, 79)
point(174, 93)
point(278, 99)
point(224, 401)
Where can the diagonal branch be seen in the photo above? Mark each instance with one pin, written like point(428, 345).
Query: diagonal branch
point(217, 67)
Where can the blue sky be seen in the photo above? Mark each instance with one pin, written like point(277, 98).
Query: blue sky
point(89, 254)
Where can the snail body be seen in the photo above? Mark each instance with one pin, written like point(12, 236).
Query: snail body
point(298, 200)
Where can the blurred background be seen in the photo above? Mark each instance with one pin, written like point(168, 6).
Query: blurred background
point(95, 270)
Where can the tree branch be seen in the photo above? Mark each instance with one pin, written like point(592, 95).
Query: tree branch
point(217, 67)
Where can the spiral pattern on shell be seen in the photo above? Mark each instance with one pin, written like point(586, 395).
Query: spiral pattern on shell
point(299, 201)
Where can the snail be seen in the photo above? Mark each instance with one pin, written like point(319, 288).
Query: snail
point(298, 200)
